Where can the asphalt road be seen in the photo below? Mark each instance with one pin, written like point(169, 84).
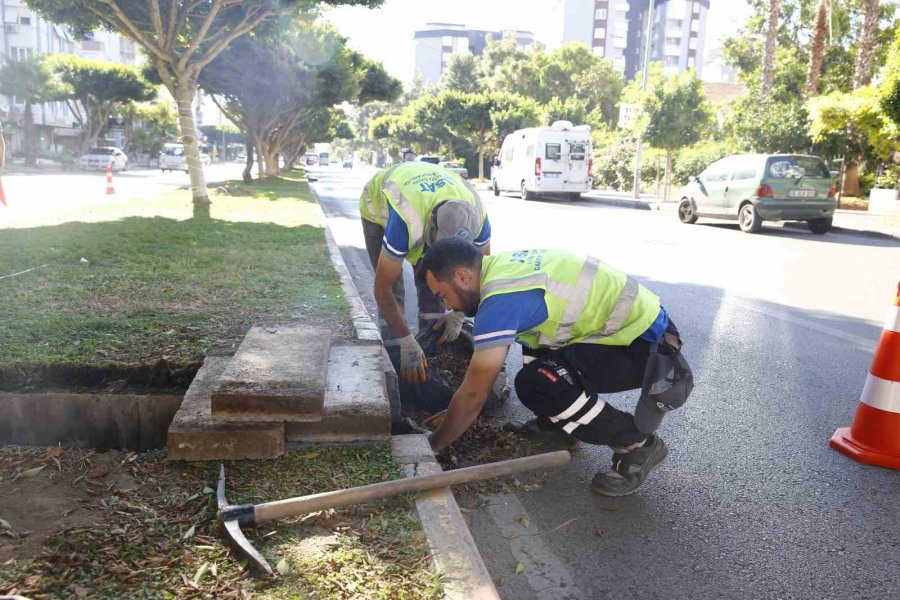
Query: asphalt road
point(779, 328)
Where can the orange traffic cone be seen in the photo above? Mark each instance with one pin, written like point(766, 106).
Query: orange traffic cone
point(2, 195)
point(110, 190)
point(874, 437)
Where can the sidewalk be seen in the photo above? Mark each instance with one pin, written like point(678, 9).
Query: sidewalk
point(845, 221)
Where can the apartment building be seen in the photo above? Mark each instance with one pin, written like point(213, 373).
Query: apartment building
point(437, 42)
point(26, 34)
point(617, 29)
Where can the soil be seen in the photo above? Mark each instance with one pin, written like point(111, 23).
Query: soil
point(60, 496)
point(161, 377)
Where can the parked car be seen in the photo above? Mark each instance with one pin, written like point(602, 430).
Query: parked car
point(753, 188)
point(457, 168)
point(103, 156)
point(539, 160)
point(172, 158)
point(348, 163)
point(435, 160)
point(312, 159)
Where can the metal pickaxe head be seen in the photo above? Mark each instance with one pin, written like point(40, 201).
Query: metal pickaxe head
point(231, 518)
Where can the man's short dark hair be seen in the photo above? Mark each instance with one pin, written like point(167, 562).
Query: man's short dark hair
point(446, 255)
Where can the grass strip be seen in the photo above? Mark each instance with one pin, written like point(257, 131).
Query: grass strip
point(127, 292)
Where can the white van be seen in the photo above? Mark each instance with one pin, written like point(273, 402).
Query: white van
point(545, 160)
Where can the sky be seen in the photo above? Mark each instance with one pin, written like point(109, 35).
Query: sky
point(386, 34)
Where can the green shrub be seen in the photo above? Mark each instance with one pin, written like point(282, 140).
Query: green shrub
point(692, 160)
point(866, 183)
point(614, 166)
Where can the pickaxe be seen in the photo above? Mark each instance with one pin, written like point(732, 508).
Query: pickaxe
point(232, 517)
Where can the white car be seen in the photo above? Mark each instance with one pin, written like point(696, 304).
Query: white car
point(103, 156)
point(172, 158)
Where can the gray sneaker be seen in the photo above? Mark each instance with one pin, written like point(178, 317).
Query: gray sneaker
point(541, 431)
point(630, 469)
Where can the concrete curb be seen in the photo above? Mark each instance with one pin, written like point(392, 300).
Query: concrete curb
point(453, 549)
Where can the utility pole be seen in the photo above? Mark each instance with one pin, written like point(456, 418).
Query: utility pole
point(644, 69)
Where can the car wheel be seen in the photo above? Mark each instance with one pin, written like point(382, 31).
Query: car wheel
point(819, 225)
point(496, 188)
point(526, 195)
point(686, 212)
point(749, 219)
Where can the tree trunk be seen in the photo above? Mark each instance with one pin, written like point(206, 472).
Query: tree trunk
point(184, 97)
point(30, 137)
point(851, 179)
point(248, 178)
point(668, 177)
point(768, 66)
point(865, 45)
point(481, 163)
point(273, 168)
point(260, 161)
point(816, 49)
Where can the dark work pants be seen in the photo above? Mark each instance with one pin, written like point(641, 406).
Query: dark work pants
point(562, 387)
point(430, 306)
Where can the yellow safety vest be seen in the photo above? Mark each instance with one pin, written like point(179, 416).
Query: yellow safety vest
point(587, 302)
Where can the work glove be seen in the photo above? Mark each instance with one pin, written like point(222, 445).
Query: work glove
point(452, 322)
point(412, 360)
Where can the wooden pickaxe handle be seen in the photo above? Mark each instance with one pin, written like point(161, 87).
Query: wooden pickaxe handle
point(249, 514)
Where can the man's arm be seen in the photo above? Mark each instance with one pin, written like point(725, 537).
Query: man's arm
point(470, 397)
point(388, 270)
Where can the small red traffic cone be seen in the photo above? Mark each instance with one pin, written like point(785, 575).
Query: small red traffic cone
point(874, 437)
point(110, 190)
point(2, 196)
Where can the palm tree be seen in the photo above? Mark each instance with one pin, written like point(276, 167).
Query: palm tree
point(768, 66)
point(30, 81)
point(817, 49)
point(865, 46)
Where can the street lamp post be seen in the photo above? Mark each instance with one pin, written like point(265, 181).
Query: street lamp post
point(644, 69)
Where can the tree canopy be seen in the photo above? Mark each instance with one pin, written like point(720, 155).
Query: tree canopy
point(93, 89)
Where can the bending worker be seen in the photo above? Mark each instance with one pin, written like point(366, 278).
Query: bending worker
point(589, 330)
point(405, 209)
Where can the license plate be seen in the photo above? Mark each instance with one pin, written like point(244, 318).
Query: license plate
point(551, 174)
point(802, 194)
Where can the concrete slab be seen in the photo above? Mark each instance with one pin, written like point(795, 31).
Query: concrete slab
point(277, 374)
point(356, 407)
point(100, 421)
point(195, 434)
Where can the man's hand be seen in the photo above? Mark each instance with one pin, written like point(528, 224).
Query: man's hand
point(452, 322)
point(412, 360)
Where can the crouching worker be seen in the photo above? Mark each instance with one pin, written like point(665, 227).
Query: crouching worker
point(587, 329)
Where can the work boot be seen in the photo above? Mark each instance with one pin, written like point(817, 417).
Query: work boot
point(630, 469)
point(540, 430)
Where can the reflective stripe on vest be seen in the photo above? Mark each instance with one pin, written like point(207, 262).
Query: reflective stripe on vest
point(376, 214)
point(409, 214)
point(576, 297)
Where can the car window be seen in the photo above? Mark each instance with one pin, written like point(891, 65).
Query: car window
point(743, 174)
point(577, 151)
point(553, 151)
point(102, 151)
point(713, 175)
point(794, 167)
